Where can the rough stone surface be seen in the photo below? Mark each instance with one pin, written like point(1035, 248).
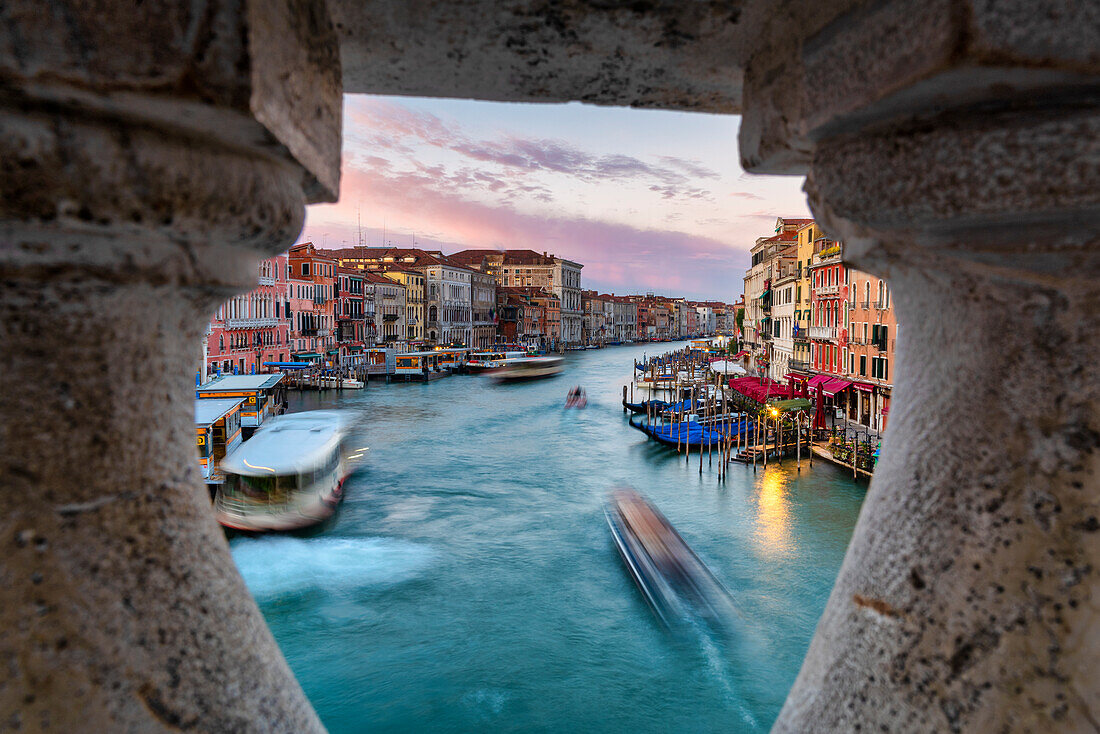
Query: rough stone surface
point(967, 599)
point(862, 63)
point(149, 157)
point(255, 74)
point(643, 53)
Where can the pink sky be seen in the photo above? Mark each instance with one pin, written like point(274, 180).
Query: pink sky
point(647, 201)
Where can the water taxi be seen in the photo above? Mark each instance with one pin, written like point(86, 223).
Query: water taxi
point(264, 396)
point(529, 368)
point(289, 475)
point(483, 361)
point(671, 577)
point(420, 366)
point(217, 433)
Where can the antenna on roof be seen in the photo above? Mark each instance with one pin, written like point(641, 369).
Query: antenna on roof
point(384, 244)
point(359, 219)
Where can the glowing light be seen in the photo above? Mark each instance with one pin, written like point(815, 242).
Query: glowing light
point(253, 466)
point(773, 519)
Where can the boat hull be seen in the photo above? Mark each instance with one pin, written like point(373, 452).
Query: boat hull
point(310, 509)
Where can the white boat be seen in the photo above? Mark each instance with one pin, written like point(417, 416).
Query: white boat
point(345, 383)
point(289, 475)
point(484, 361)
point(531, 368)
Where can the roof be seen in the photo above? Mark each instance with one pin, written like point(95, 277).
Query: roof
point(373, 277)
point(232, 383)
point(289, 444)
point(211, 410)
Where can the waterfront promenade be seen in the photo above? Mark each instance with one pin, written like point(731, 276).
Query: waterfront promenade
point(469, 581)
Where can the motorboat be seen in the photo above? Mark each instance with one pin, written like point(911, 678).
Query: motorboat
point(334, 382)
point(673, 580)
point(531, 368)
point(290, 474)
point(485, 361)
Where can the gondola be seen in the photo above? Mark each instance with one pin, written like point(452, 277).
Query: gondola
point(645, 405)
point(691, 433)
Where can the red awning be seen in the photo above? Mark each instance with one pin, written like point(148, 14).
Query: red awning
point(835, 385)
point(863, 386)
point(795, 376)
point(818, 380)
point(740, 354)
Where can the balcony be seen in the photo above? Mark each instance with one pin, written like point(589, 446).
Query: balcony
point(881, 305)
point(324, 332)
point(252, 323)
point(308, 332)
point(267, 280)
point(799, 365)
point(823, 332)
point(827, 290)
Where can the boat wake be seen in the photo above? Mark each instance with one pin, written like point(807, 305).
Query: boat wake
point(718, 667)
point(275, 567)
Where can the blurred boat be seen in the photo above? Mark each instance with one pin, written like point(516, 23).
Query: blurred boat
point(577, 398)
point(672, 578)
point(487, 361)
point(531, 368)
point(289, 475)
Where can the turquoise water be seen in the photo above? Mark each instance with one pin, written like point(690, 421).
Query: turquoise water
point(469, 582)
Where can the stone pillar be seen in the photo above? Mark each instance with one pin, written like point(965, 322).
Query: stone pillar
point(967, 600)
point(150, 156)
point(959, 160)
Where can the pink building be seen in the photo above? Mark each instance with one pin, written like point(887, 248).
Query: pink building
point(252, 328)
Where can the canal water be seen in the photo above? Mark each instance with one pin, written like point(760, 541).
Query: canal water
point(469, 583)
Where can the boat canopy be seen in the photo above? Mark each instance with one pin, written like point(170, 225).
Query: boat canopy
point(288, 365)
point(235, 383)
point(208, 412)
point(289, 444)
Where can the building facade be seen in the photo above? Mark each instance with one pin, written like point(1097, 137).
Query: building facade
point(389, 307)
point(483, 306)
point(252, 328)
point(309, 265)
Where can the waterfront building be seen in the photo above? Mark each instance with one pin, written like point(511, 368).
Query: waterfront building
point(529, 269)
point(530, 317)
point(872, 338)
point(594, 326)
point(808, 233)
point(769, 254)
point(389, 307)
point(355, 316)
point(626, 314)
point(705, 318)
point(448, 311)
point(309, 265)
point(828, 308)
point(414, 282)
point(483, 304)
point(252, 328)
point(784, 290)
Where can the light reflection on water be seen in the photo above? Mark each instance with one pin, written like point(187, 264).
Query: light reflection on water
point(468, 582)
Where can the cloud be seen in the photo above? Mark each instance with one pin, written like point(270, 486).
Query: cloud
point(616, 256)
point(392, 126)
